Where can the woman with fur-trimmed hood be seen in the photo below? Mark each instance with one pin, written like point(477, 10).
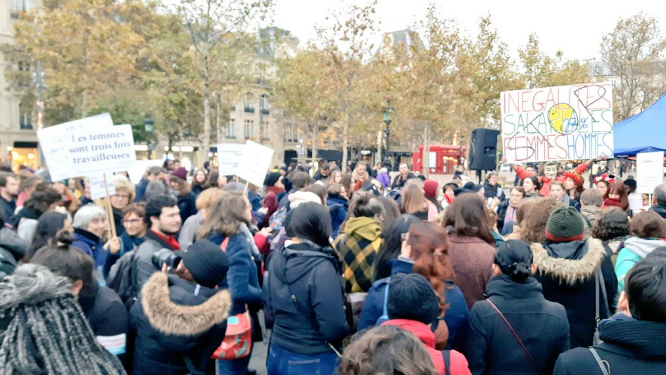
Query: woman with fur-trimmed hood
point(566, 267)
point(181, 316)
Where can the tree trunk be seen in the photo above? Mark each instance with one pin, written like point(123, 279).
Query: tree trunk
point(315, 130)
point(426, 151)
point(345, 141)
point(206, 127)
point(84, 93)
point(217, 119)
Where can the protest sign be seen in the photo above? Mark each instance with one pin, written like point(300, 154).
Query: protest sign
point(97, 189)
point(649, 171)
point(55, 142)
point(557, 123)
point(87, 149)
point(139, 169)
point(229, 156)
point(255, 162)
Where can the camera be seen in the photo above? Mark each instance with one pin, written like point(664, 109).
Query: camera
point(165, 256)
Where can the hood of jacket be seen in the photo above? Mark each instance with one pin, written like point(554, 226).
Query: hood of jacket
point(24, 213)
point(11, 241)
point(661, 210)
point(642, 246)
point(87, 237)
point(303, 197)
point(419, 329)
point(569, 262)
point(365, 227)
point(181, 320)
point(644, 339)
point(298, 259)
point(336, 199)
point(504, 286)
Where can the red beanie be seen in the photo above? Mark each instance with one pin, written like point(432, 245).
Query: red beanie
point(430, 188)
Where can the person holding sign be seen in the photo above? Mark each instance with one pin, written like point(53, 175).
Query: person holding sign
point(550, 174)
point(90, 226)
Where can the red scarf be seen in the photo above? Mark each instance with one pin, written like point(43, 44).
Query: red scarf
point(608, 202)
point(171, 240)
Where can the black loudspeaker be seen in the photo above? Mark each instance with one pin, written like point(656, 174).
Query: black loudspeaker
point(483, 149)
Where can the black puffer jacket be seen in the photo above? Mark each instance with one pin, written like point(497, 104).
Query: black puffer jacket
point(566, 270)
point(630, 347)
point(313, 276)
point(542, 326)
point(175, 318)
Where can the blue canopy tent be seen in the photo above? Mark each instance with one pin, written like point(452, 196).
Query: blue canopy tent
point(644, 132)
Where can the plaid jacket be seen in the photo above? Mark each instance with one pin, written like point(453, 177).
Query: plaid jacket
point(358, 254)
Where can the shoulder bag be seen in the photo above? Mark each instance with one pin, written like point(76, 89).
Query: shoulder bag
point(527, 352)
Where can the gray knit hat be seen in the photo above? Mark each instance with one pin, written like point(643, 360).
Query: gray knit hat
point(565, 225)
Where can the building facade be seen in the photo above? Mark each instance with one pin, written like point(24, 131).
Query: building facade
point(18, 140)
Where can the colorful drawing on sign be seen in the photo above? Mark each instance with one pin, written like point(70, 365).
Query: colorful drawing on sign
point(557, 123)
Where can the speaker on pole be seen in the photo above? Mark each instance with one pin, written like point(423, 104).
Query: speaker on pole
point(483, 149)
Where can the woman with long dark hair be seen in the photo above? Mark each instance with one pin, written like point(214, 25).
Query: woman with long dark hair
point(392, 245)
point(181, 189)
point(224, 227)
point(199, 182)
point(491, 346)
point(471, 245)
point(424, 250)
point(47, 226)
point(531, 185)
point(304, 293)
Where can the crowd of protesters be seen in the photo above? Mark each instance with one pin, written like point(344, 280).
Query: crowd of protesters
point(346, 271)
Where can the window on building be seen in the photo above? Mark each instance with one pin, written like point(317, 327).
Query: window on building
point(26, 118)
point(290, 133)
point(231, 129)
point(249, 127)
point(16, 7)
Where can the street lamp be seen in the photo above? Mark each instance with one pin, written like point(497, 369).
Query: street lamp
point(148, 126)
point(387, 120)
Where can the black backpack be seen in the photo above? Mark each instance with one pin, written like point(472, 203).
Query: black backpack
point(120, 279)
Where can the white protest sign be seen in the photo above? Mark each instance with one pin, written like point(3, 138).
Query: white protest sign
point(255, 163)
point(91, 151)
point(97, 190)
point(650, 171)
point(55, 142)
point(229, 156)
point(139, 169)
point(557, 123)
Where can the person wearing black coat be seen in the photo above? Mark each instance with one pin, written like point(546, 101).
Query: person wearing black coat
point(304, 294)
point(181, 318)
point(567, 269)
point(543, 327)
point(633, 340)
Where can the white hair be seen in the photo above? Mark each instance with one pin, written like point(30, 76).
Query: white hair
point(86, 214)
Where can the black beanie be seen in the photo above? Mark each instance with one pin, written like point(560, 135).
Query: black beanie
point(272, 178)
point(412, 297)
point(207, 263)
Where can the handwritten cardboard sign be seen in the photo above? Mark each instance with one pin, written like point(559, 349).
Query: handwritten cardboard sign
point(229, 157)
point(557, 123)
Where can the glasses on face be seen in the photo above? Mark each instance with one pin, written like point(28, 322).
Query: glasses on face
point(132, 221)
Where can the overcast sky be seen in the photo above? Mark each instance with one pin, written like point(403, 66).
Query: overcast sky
point(573, 26)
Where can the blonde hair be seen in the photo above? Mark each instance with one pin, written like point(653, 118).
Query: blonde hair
point(208, 197)
point(123, 184)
